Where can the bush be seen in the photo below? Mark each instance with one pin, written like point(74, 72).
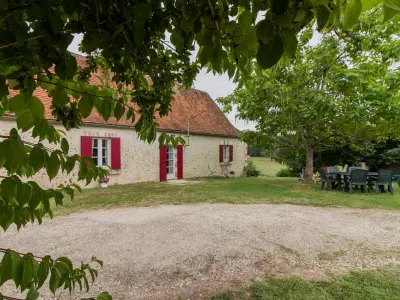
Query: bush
point(252, 170)
point(285, 172)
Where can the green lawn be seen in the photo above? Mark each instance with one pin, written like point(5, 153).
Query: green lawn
point(363, 285)
point(267, 166)
point(218, 190)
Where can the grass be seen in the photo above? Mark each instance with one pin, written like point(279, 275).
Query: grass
point(267, 166)
point(217, 190)
point(366, 285)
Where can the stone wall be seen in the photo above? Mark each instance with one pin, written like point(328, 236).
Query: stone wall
point(140, 160)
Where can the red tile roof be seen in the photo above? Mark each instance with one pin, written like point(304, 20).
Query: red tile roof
point(193, 107)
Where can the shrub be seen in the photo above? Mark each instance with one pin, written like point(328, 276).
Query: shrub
point(252, 170)
point(285, 172)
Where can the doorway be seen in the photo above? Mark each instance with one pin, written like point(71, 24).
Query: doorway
point(170, 159)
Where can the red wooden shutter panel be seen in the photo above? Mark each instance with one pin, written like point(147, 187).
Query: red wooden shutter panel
point(230, 152)
point(180, 161)
point(86, 146)
point(163, 163)
point(116, 153)
point(221, 153)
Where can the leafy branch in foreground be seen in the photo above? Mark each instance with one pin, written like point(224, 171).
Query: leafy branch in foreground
point(30, 272)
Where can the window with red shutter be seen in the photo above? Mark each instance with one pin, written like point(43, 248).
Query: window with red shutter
point(180, 161)
point(86, 146)
point(230, 152)
point(116, 153)
point(221, 153)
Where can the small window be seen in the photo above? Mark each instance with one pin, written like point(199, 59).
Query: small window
point(101, 152)
point(226, 153)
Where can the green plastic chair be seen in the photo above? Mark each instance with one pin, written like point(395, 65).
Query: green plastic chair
point(325, 179)
point(385, 177)
point(358, 177)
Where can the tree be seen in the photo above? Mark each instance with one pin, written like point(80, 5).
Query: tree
point(125, 40)
point(331, 94)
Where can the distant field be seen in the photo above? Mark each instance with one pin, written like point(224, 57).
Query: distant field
point(267, 166)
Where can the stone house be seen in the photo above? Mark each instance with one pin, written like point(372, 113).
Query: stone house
point(212, 146)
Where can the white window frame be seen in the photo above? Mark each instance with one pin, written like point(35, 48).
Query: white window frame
point(100, 152)
point(225, 153)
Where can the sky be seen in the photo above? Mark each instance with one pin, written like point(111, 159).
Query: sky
point(215, 85)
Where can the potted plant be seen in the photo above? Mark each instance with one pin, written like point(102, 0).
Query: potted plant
point(104, 182)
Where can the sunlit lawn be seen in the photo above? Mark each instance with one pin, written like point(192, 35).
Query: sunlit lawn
point(267, 166)
point(363, 285)
point(218, 190)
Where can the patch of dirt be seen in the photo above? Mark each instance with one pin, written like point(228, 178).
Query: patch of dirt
point(195, 251)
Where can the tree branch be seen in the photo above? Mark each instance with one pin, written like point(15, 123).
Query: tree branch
point(28, 143)
point(86, 93)
point(8, 298)
point(2, 250)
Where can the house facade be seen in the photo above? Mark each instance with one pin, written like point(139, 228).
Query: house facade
point(212, 146)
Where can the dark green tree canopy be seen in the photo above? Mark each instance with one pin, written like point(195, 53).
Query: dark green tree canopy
point(332, 93)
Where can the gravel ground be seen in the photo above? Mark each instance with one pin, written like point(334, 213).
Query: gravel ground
point(199, 250)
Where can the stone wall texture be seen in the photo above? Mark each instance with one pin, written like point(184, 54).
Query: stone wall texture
point(140, 161)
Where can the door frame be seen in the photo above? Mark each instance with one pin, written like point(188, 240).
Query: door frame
point(171, 176)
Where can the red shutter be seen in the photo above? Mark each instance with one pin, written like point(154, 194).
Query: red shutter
point(221, 153)
point(180, 161)
point(116, 153)
point(86, 146)
point(230, 152)
point(163, 163)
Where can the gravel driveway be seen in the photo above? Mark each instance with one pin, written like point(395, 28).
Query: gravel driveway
point(200, 250)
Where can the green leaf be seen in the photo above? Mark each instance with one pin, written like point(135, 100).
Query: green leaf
point(43, 273)
point(141, 12)
point(37, 107)
point(67, 261)
point(60, 97)
point(300, 14)
point(14, 153)
point(119, 110)
point(8, 189)
point(28, 273)
point(53, 165)
point(268, 55)
point(245, 20)
point(279, 7)
point(323, 14)
point(54, 279)
point(24, 194)
point(289, 41)
point(20, 33)
point(393, 4)
point(37, 158)
point(3, 87)
point(66, 69)
point(178, 41)
point(351, 13)
point(370, 4)
point(64, 146)
point(32, 293)
point(63, 268)
point(265, 31)
point(25, 120)
point(7, 268)
point(104, 296)
point(18, 104)
point(388, 13)
point(85, 105)
point(130, 114)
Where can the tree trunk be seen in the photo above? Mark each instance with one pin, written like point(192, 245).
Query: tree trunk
point(309, 172)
